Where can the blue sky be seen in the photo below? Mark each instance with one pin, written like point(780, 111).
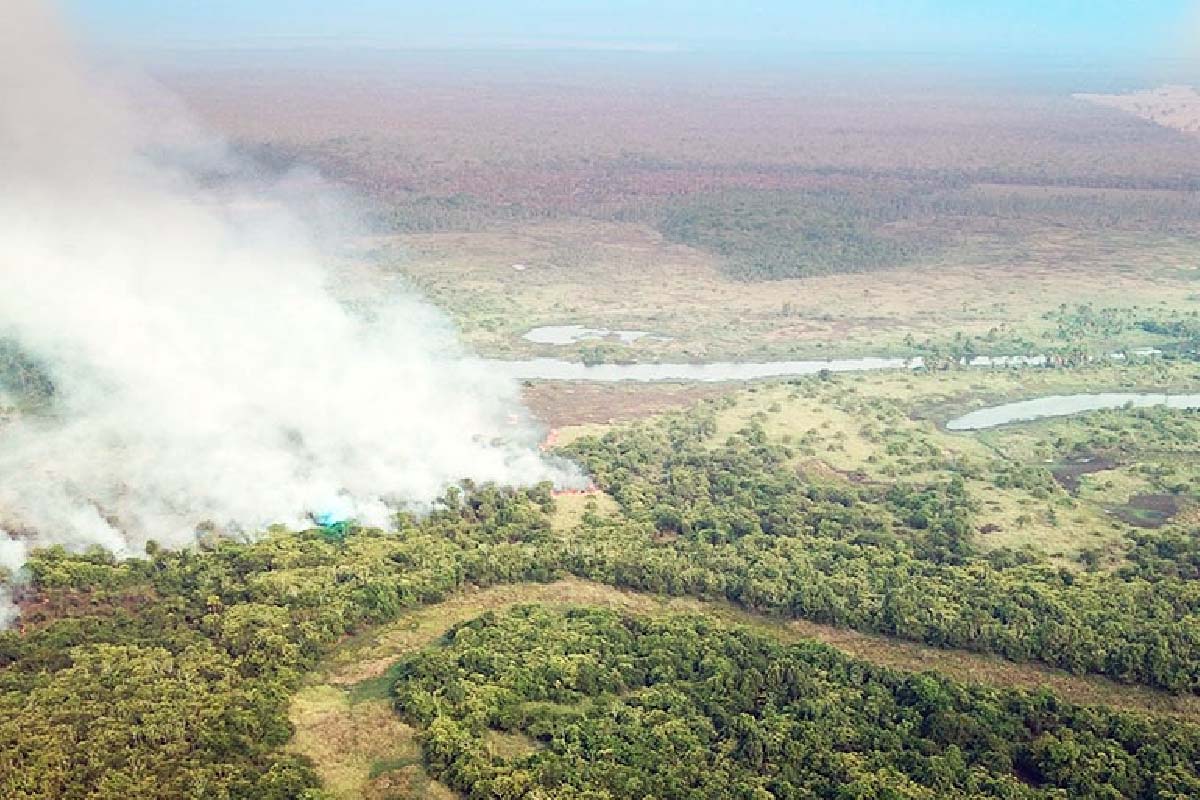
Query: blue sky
point(1054, 27)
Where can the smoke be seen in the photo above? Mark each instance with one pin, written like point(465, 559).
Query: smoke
point(213, 361)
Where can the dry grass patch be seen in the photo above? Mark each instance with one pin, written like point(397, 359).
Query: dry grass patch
point(571, 407)
point(569, 509)
point(561, 437)
point(407, 783)
point(355, 746)
point(1061, 530)
point(1174, 107)
point(510, 746)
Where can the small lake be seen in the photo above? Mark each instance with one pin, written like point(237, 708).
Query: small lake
point(1064, 405)
point(573, 334)
point(556, 369)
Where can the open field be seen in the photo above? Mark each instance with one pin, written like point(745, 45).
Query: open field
point(353, 741)
point(626, 276)
point(558, 404)
point(1175, 107)
point(345, 723)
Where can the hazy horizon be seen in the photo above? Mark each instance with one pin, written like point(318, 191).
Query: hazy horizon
point(1055, 28)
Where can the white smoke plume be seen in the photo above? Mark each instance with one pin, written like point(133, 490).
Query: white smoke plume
point(208, 365)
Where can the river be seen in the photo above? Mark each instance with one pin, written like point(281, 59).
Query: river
point(555, 369)
point(1062, 405)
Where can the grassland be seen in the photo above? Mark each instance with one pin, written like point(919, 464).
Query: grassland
point(560, 404)
point(889, 427)
point(1175, 107)
point(361, 749)
point(625, 275)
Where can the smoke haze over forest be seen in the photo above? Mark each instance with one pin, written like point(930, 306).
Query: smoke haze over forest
point(208, 364)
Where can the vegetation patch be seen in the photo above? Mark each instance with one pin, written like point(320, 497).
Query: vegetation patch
point(350, 744)
point(380, 655)
point(682, 707)
point(904, 556)
point(1069, 473)
point(769, 236)
point(23, 378)
point(1149, 510)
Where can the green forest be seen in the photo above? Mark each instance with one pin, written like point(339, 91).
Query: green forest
point(894, 560)
point(684, 708)
point(170, 675)
point(890, 222)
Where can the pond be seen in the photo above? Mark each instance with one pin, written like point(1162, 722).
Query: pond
point(1062, 405)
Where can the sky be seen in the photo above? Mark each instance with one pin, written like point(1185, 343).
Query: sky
point(1097, 28)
